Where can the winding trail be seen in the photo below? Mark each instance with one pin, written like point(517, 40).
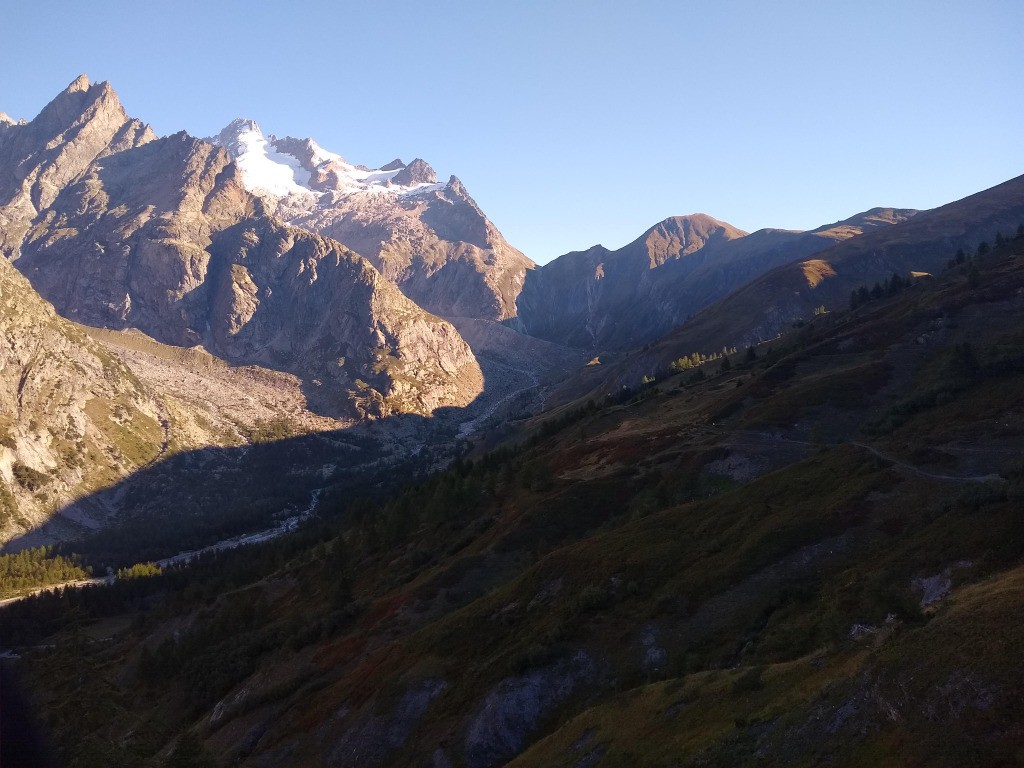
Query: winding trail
point(923, 472)
point(767, 438)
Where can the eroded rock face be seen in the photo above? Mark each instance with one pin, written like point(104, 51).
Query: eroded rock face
point(437, 247)
point(298, 301)
point(120, 229)
point(127, 243)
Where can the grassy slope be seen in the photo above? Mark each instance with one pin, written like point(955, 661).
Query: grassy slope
point(672, 614)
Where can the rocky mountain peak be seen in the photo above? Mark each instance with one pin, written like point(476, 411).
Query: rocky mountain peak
point(679, 236)
point(41, 158)
point(456, 187)
point(77, 104)
point(696, 225)
point(325, 169)
point(429, 238)
point(80, 84)
point(416, 172)
point(456, 190)
point(233, 131)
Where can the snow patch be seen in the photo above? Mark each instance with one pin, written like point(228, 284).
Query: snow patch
point(264, 168)
point(268, 169)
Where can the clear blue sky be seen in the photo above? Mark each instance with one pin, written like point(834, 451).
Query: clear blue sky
point(577, 122)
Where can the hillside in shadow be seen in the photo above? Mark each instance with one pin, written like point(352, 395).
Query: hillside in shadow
point(194, 498)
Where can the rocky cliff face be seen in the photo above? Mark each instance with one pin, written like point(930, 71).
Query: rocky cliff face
point(430, 239)
point(73, 418)
point(600, 299)
point(129, 230)
point(290, 299)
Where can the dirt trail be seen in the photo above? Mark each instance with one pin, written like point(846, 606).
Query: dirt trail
point(754, 438)
point(923, 472)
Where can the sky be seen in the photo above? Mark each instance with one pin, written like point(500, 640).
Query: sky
point(576, 122)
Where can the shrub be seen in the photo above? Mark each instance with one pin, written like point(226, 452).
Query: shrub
point(28, 478)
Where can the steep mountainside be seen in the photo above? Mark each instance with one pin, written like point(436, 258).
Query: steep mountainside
point(120, 229)
point(604, 300)
point(429, 238)
point(588, 298)
point(99, 427)
point(815, 556)
point(73, 418)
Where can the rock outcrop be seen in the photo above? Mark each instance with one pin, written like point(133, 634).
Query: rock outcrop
point(82, 124)
point(416, 172)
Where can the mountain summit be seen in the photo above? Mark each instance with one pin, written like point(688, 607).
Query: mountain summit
point(429, 238)
point(83, 124)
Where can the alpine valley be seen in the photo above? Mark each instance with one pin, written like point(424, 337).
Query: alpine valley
point(302, 463)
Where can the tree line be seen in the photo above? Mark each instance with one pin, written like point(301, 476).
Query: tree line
point(33, 568)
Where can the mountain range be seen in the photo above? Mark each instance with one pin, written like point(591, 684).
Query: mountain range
point(383, 291)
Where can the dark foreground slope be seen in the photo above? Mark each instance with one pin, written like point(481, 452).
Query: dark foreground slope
point(813, 557)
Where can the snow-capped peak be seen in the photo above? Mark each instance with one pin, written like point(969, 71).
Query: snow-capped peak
point(263, 168)
point(286, 166)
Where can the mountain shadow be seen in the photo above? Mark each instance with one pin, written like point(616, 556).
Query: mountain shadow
point(195, 498)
